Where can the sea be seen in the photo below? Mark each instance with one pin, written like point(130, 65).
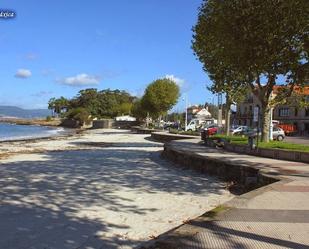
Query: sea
point(16, 132)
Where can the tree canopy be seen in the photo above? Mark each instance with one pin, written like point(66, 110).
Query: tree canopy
point(160, 96)
point(243, 42)
point(101, 104)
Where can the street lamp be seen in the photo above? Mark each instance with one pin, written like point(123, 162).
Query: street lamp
point(271, 124)
point(185, 98)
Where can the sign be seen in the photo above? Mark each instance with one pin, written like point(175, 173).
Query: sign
point(256, 114)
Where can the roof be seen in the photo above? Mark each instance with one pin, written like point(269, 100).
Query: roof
point(300, 90)
point(204, 112)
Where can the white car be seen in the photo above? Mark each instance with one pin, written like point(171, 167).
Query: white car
point(240, 130)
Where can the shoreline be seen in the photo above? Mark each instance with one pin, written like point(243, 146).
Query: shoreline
point(64, 134)
point(38, 122)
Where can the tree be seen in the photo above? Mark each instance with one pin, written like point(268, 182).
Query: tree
point(102, 104)
point(160, 96)
point(59, 105)
point(138, 110)
point(79, 114)
point(254, 40)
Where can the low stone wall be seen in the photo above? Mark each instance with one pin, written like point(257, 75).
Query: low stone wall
point(270, 153)
point(125, 124)
point(103, 124)
point(167, 137)
point(70, 123)
point(228, 171)
point(141, 130)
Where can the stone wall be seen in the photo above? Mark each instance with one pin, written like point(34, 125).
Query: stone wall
point(103, 124)
point(225, 170)
point(167, 137)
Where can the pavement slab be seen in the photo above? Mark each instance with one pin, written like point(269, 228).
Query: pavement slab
point(273, 216)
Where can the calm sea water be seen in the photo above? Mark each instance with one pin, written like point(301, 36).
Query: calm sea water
point(11, 131)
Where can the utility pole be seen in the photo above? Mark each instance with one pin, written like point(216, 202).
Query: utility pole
point(220, 111)
point(271, 124)
point(186, 103)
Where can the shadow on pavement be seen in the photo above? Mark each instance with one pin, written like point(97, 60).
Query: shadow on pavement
point(42, 200)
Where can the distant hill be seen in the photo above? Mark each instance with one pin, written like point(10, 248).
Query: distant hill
point(17, 112)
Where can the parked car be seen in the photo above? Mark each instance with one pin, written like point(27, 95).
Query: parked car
point(278, 133)
point(171, 125)
point(210, 129)
point(233, 127)
point(240, 130)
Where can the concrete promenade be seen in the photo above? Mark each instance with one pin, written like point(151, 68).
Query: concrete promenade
point(273, 216)
point(103, 189)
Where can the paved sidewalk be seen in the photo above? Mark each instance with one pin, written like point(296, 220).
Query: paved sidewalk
point(274, 216)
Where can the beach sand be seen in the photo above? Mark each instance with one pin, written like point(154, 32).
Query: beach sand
point(99, 189)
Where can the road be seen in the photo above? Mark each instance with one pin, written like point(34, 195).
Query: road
point(112, 190)
point(297, 140)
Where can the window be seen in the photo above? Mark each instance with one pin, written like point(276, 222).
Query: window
point(284, 112)
point(296, 112)
point(307, 112)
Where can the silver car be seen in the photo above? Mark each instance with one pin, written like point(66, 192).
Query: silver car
point(278, 134)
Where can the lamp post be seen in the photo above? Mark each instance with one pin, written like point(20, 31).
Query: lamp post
point(185, 98)
point(271, 124)
point(220, 112)
point(271, 121)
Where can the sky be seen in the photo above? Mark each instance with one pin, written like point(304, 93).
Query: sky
point(56, 48)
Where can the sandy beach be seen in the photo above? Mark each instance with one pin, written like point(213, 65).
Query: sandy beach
point(98, 189)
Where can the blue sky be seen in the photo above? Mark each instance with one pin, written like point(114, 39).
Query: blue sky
point(55, 48)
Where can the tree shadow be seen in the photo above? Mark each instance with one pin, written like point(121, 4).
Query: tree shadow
point(50, 202)
point(231, 238)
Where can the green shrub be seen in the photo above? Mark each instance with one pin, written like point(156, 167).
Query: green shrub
point(49, 118)
point(79, 114)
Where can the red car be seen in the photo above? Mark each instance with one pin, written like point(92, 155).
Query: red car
point(209, 130)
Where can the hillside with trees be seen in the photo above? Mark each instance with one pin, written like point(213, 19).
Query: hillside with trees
point(91, 103)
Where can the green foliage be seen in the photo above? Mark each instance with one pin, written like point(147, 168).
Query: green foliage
point(284, 146)
point(124, 108)
point(230, 139)
point(106, 103)
point(49, 118)
point(191, 133)
point(59, 105)
point(175, 117)
point(240, 42)
point(80, 114)
point(138, 110)
point(277, 145)
point(160, 96)
point(101, 104)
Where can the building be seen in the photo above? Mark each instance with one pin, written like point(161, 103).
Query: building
point(283, 113)
point(198, 112)
point(193, 110)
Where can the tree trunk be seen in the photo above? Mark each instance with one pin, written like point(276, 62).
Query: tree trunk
point(265, 112)
point(264, 95)
point(227, 115)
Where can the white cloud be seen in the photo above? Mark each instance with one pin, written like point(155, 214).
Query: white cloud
point(23, 73)
point(178, 81)
point(80, 80)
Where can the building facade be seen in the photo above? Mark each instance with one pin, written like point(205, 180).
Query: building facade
point(283, 113)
